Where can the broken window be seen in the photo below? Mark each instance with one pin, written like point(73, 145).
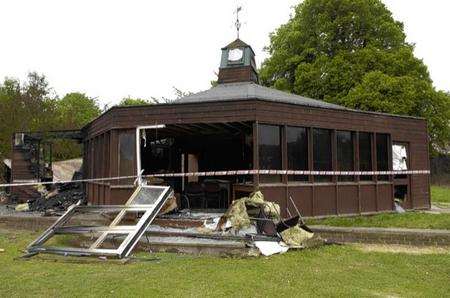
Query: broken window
point(382, 155)
point(297, 151)
point(269, 151)
point(345, 155)
point(322, 153)
point(127, 150)
point(399, 157)
point(365, 154)
point(117, 237)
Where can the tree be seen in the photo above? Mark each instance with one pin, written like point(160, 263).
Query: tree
point(33, 106)
point(353, 53)
point(128, 101)
point(24, 108)
point(75, 110)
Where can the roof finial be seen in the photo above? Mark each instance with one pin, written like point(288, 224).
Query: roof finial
point(238, 23)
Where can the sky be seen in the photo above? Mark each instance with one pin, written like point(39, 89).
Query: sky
point(113, 49)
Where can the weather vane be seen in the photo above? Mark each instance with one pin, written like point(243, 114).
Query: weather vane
point(238, 23)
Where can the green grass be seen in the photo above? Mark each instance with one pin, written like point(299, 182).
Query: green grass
point(412, 220)
point(440, 194)
point(327, 271)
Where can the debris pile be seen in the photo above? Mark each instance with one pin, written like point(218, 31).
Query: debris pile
point(3, 197)
point(261, 221)
point(56, 199)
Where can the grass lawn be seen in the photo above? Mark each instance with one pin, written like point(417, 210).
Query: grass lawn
point(412, 220)
point(440, 194)
point(326, 271)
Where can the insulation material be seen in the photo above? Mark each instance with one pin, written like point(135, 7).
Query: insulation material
point(237, 213)
point(399, 156)
point(296, 236)
point(23, 207)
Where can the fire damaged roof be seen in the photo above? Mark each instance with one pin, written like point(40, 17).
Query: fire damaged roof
point(250, 90)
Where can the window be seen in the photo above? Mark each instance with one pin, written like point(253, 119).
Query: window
point(345, 157)
point(399, 157)
point(382, 155)
point(297, 151)
point(322, 153)
point(365, 154)
point(127, 151)
point(269, 151)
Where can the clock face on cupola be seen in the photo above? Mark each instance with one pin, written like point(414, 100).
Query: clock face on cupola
point(236, 55)
point(237, 63)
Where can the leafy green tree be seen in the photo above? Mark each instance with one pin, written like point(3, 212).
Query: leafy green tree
point(128, 101)
point(24, 108)
point(75, 110)
point(33, 106)
point(353, 53)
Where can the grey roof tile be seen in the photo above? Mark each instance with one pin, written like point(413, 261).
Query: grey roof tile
point(250, 90)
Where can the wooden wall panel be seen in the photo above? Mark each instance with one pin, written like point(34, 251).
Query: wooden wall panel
point(348, 199)
point(368, 198)
point(302, 196)
point(384, 197)
point(119, 196)
point(324, 200)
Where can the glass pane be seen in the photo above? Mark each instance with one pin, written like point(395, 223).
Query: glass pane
point(269, 151)
point(365, 154)
point(382, 155)
point(127, 151)
point(147, 195)
point(297, 151)
point(345, 157)
point(322, 153)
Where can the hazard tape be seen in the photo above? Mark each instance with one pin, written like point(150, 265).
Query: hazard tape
point(288, 172)
point(230, 173)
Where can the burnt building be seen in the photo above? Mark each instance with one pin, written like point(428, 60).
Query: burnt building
point(306, 149)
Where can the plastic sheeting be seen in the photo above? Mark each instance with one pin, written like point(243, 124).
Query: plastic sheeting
point(399, 156)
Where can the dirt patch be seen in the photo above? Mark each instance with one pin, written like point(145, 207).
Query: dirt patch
point(396, 248)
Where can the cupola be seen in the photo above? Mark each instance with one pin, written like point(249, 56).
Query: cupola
point(237, 63)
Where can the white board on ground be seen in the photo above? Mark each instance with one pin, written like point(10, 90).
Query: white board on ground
point(268, 248)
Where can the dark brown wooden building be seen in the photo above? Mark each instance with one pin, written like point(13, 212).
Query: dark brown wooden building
point(240, 125)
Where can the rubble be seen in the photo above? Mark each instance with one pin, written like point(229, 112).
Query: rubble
point(3, 197)
point(56, 199)
point(22, 207)
point(253, 216)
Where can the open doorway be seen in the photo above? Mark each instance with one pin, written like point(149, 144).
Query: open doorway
point(196, 148)
point(400, 162)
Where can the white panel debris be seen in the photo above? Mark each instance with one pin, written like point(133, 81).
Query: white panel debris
point(268, 248)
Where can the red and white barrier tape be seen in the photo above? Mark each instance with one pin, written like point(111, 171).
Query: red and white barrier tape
point(231, 173)
point(289, 172)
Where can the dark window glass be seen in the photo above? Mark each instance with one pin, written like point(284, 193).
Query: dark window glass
point(382, 155)
point(269, 151)
point(127, 151)
point(365, 154)
point(345, 157)
point(322, 153)
point(297, 151)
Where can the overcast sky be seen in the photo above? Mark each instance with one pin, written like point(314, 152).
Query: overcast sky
point(113, 49)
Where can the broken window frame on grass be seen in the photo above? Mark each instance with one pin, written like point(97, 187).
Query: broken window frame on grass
point(133, 232)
